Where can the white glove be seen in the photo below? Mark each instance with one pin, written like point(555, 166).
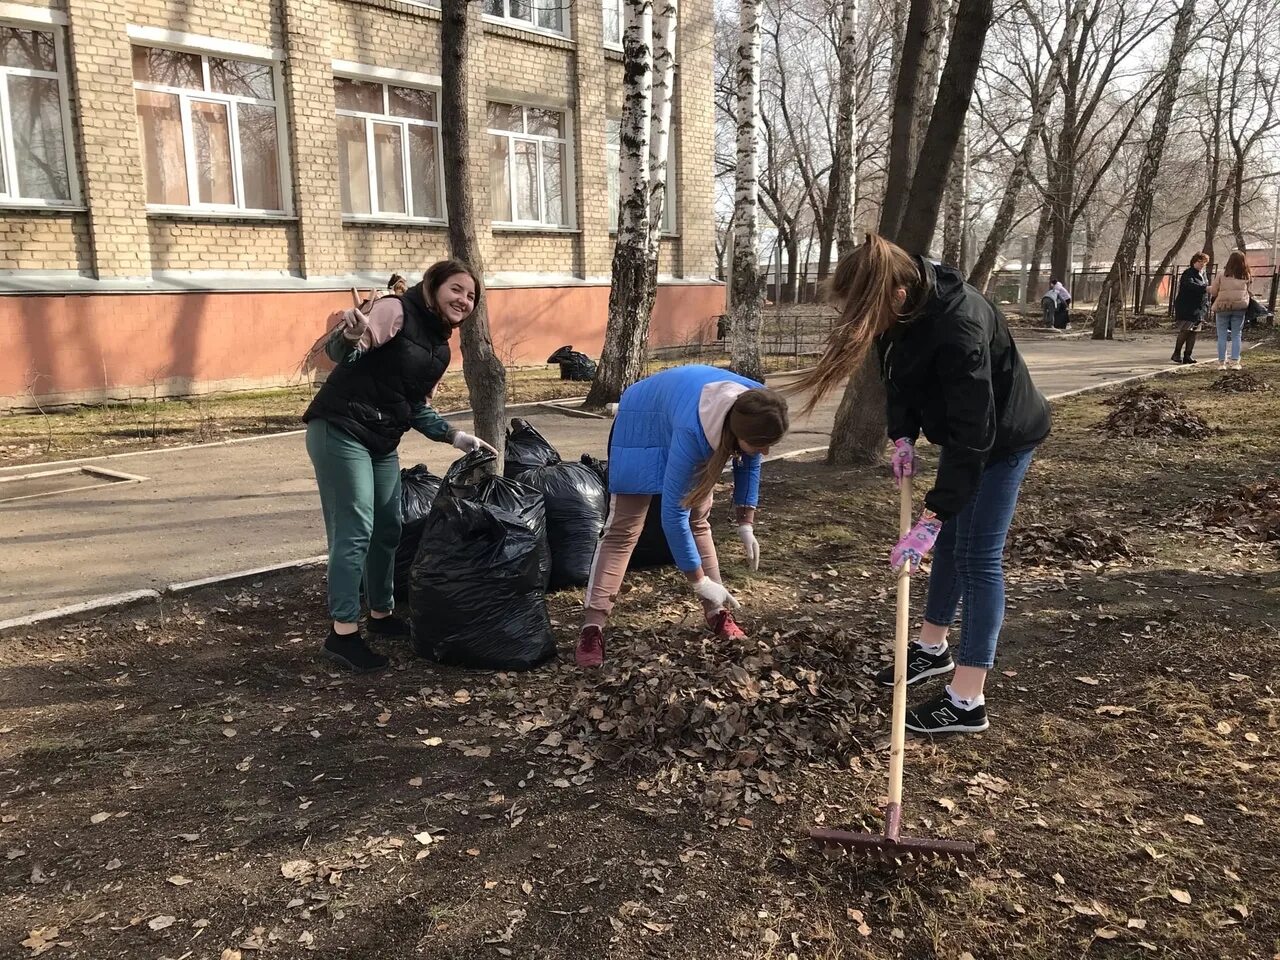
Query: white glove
point(354, 325)
point(713, 592)
point(469, 444)
point(747, 534)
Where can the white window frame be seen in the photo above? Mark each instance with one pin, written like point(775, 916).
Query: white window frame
point(621, 8)
point(52, 23)
point(568, 182)
point(532, 26)
point(430, 85)
point(670, 206)
point(205, 48)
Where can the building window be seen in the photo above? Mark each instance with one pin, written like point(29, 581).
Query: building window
point(528, 165)
point(389, 150)
point(210, 131)
point(35, 159)
point(613, 21)
point(542, 14)
point(613, 161)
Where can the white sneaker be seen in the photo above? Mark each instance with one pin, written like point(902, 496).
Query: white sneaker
point(1235, 365)
point(1222, 364)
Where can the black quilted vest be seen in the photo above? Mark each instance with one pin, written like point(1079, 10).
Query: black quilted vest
point(373, 397)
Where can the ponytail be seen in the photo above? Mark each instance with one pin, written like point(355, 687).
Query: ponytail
point(863, 288)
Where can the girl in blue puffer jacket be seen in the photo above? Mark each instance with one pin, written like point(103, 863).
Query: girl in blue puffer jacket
point(673, 434)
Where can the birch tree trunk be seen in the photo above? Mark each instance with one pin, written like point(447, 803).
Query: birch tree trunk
point(1000, 227)
point(1111, 298)
point(632, 292)
point(664, 71)
point(745, 320)
point(954, 222)
point(485, 375)
point(844, 164)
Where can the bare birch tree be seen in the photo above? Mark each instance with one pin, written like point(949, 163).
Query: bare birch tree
point(746, 315)
point(632, 293)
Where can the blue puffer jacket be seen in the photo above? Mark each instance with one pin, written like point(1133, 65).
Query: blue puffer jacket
point(660, 442)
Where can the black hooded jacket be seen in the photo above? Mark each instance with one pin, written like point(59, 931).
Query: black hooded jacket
point(373, 397)
point(952, 371)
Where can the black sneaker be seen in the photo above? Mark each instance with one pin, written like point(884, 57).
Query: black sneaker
point(353, 653)
point(391, 626)
point(1189, 360)
point(921, 665)
point(940, 715)
point(1176, 359)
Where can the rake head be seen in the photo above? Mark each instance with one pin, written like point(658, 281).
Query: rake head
point(891, 846)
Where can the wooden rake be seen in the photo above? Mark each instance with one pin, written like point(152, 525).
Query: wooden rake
point(891, 846)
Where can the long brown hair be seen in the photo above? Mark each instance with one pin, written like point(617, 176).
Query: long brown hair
point(758, 417)
point(1237, 267)
point(863, 287)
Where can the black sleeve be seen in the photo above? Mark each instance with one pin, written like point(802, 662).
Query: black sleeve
point(964, 377)
point(900, 418)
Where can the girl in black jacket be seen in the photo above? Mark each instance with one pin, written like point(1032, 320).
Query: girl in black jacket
point(1189, 307)
point(952, 372)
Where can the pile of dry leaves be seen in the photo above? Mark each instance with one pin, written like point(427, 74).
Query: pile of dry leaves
point(706, 717)
point(1078, 544)
point(1143, 412)
point(1253, 511)
point(1239, 381)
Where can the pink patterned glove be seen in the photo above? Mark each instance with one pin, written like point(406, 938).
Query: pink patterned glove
point(904, 459)
point(919, 540)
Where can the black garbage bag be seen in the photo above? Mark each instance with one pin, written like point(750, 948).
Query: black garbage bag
point(478, 583)
point(652, 550)
point(576, 500)
point(574, 364)
point(526, 449)
point(418, 489)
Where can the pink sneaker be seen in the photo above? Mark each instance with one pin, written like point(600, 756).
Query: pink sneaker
point(590, 652)
point(723, 625)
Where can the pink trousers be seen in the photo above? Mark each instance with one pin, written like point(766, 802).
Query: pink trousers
point(621, 531)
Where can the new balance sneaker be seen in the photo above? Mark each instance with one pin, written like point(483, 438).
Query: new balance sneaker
point(921, 665)
point(943, 715)
point(350, 651)
point(590, 651)
point(391, 626)
point(724, 626)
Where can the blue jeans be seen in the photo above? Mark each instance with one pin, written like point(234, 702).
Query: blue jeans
point(1229, 322)
point(968, 561)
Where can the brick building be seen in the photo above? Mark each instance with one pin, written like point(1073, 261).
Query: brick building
point(189, 187)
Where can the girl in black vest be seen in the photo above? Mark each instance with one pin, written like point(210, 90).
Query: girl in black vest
point(388, 365)
point(952, 373)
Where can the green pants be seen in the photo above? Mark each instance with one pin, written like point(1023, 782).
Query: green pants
point(360, 495)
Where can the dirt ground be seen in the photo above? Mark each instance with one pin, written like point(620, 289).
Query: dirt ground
point(189, 781)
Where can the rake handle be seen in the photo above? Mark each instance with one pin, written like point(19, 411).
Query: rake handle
point(898, 721)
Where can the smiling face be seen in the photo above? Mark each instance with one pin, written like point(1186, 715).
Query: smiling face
point(455, 299)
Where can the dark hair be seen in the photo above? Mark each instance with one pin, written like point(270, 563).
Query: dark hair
point(438, 275)
point(1200, 257)
point(760, 418)
point(862, 288)
point(396, 278)
point(1237, 267)
point(1053, 281)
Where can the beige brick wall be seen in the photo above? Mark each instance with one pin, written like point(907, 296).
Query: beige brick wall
point(117, 238)
point(202, 245)
point(530, 252)
point(250, 21)
point(394, 38)
point(407, 250)
point(45, 242)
